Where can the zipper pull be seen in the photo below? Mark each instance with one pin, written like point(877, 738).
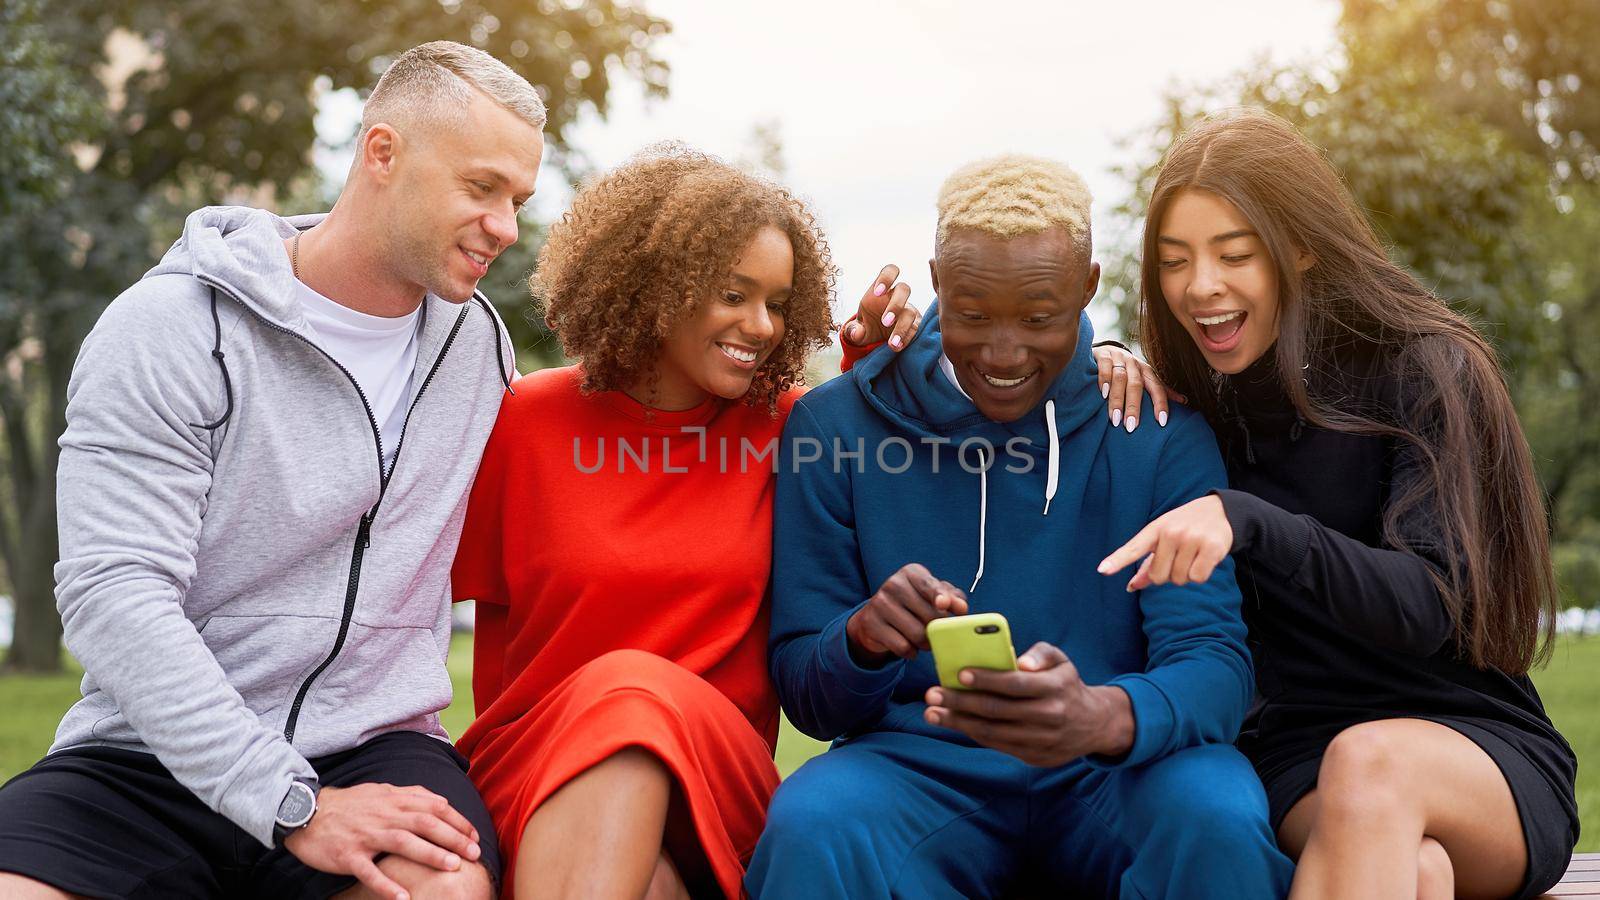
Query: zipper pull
point(364, 532)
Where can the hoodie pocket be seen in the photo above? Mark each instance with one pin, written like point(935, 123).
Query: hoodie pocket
point(266, 657)
point(386, 678)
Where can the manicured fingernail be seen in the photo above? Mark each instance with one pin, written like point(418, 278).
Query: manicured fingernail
point(965, 677)
point(888, 319)
point(1116, 417)
point(878, 289)
point(1105, 389)
point(1132, 423)
point(895, 342)
point(1162, 418)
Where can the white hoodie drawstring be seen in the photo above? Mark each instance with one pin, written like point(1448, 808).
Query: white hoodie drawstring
point(1054, 475)
point(1052, 479)
point(983, 514)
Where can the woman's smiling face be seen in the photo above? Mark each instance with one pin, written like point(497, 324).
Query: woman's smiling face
point(1218, 279)
point(717, 351)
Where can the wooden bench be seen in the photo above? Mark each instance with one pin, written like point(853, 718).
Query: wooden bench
point(1582, 878)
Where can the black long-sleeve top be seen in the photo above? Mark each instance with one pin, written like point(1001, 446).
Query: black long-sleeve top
point(1343, 628)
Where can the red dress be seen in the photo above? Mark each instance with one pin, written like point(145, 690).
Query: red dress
point(624, 606)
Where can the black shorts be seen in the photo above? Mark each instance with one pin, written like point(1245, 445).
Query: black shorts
point(104, 822)
point(1545, 804)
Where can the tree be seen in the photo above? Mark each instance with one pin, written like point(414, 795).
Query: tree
point(1524, 67)
point(44, 110)
point(205, 101)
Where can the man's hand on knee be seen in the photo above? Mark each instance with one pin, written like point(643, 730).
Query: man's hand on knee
point(355, 825)
point(470, 882)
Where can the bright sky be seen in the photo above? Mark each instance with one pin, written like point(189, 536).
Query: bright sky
point(876, 102)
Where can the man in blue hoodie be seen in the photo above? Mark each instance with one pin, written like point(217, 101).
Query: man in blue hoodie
point(978, 456)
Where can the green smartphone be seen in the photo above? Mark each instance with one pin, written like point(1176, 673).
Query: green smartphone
point(978, 641)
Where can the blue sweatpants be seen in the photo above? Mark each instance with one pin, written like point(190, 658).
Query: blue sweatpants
point(892, 814)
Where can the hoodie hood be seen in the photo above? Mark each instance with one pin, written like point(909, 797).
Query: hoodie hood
point(240, 250)
point(911, 390)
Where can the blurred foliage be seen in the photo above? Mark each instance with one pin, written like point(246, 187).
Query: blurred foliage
point(1466, 129)
point(44, 110)
point(507, 284)
point(175, 104)
point(1526, 68)
point(1577, 562)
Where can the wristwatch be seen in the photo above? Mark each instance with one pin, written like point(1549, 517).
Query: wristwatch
point(299, 804)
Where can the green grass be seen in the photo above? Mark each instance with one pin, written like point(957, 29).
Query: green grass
point(1570, 686)
point(32, 706)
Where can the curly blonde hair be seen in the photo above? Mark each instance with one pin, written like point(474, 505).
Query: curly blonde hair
point(1012, 195)
point(645, 244)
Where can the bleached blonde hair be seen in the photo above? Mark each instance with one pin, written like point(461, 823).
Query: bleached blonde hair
point(431, 85)
point(1012, 195)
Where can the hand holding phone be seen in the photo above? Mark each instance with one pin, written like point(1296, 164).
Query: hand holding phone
point(1041, 712)
point(978, 641)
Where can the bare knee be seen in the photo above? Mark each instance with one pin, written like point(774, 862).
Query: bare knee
point(23, 888)
point(1365, 753)
point(1363, 775)
point(470, 882)
point(1436, 876)
point(630, 776)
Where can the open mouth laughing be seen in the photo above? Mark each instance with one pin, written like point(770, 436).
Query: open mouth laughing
point(1220, 331)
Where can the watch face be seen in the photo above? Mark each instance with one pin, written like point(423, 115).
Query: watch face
point(297, 806)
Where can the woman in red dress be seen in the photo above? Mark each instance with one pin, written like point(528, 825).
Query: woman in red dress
point(618, 537)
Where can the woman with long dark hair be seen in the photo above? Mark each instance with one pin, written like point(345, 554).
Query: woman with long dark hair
point(1390, 534)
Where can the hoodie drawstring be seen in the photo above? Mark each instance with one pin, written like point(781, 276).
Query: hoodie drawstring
point(222, 362)
point(1052, 479)
point(1229, 405)
point(1249, 447)
point(499, 350)
point(983, 514)
point(1054, 475)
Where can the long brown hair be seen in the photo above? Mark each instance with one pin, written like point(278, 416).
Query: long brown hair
point(1477, 473)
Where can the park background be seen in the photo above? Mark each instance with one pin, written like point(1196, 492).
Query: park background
point(1467, 128)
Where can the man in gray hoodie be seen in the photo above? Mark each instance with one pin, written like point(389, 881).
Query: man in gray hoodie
point(270, 440)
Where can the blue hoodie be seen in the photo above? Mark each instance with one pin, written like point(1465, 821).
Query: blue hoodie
point(1022, 526)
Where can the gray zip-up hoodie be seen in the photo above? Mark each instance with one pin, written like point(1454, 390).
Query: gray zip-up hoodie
point(243, 585)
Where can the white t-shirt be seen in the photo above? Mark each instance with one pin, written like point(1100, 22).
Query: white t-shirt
point(380, 353)
point(949, 369)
